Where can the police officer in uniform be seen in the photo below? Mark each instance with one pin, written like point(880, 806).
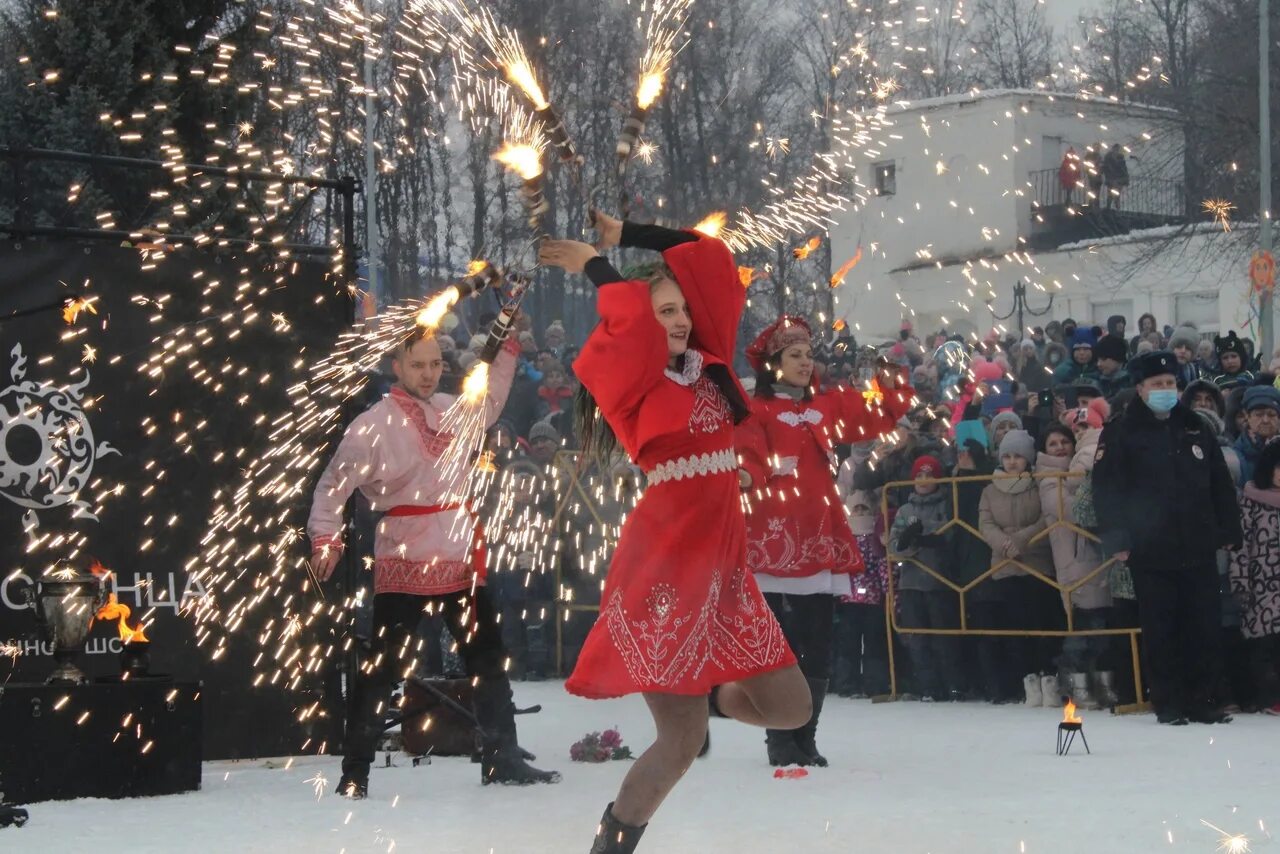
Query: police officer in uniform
point(1166, 504)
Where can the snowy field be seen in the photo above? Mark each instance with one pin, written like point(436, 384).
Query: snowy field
point(905, 777)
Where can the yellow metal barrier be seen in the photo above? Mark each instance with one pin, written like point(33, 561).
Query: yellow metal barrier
point(893, 558)
point(577, 483)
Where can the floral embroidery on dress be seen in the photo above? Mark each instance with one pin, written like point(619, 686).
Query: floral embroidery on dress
point(733, 630)
point(699, 466)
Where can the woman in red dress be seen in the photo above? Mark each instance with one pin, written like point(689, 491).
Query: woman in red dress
point(799, 544)
point(680, 616)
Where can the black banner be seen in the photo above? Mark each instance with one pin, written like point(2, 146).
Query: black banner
point(122, 417)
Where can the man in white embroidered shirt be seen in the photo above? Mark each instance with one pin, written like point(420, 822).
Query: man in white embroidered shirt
point(428, 557)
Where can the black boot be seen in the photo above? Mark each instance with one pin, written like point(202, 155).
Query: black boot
point(806, 736)
point(12, 816)
point(783, 749)
point(354, 785)
point(501, 759)
point(614, 837)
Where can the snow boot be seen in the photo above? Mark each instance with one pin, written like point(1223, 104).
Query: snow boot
point(614, 837)
point(1173, 717)
point(1051, 691)
point(783, 749)
point(806, 736)
point(354, 784)
point(501, 759)
point(12, 816)
point(1032, 685)
point(1104, 689)
point(1078, 689)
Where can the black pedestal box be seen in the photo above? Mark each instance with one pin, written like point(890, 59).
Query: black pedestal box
point(101, 740)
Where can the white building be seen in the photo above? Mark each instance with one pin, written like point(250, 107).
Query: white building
point(964, 200)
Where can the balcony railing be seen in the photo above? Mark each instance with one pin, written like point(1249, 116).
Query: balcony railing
point(1145, 197)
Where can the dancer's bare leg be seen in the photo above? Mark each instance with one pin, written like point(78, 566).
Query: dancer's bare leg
point(682, 727)
point(778, 699)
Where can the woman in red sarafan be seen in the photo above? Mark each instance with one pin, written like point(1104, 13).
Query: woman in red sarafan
point(799, 544)
point(680, 618)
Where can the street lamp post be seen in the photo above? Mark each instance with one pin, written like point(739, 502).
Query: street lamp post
point(1021, 307)
point(1266, 322)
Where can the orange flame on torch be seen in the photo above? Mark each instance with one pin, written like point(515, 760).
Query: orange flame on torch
point(1069, 715)
point(114, 610)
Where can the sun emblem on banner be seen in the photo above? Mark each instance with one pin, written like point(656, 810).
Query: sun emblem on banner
point(47, 451)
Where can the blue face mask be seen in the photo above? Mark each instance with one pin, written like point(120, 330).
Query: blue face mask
point(1162, 400)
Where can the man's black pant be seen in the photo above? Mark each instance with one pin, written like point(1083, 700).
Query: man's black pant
point(1181, 618)
point(807, 624)
point(392, 652)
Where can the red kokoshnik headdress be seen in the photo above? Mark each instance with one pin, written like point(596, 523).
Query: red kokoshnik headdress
point(781, 334)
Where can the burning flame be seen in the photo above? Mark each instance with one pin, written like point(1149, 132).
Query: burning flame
point(804, 251)
point(476, 266)
point(433, 312)
point(98, 569)
point(650, 89)
point(114, 610)
point(840, 325)
point(476, 385)
point(1069, 715)
point(73, 307)
point(521, 158)
point(838, 279)
point(746, 275)
point(713, 224)
point(520, 72)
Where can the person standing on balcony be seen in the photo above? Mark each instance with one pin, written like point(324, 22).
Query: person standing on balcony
point(1165, 504)
point(1115, 170)
point(799, 544)
point(681, 617)
point(1092, 168)
point(1069, 174)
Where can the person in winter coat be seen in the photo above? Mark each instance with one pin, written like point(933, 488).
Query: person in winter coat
point(1204, 394)
point(999, 428)
point(1232, 354)
point(1069, 174)
point(862, 648)
point(1262, 409)
point(1166, 504)
point(1077, 558)
point(1112, 354)
point(1146, 325)
point(1115, 171)
point(1011, 521)
point(799, 545)
point(924, 601)
point(1254, 571)
point(1184, 342)
point(1081, 365)
point(1092, 168)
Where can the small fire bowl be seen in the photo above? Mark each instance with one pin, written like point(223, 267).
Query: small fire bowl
point(135, 658)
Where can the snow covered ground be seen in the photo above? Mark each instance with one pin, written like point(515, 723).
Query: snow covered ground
point(905, 777)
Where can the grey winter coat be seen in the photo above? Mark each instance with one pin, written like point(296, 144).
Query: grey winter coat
point(933, 511)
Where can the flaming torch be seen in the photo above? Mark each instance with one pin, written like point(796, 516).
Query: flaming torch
point(525, 159)
point(481, 275)
point(650, 88)
point(519, 71)
point(464, 421)
point(1071, 725)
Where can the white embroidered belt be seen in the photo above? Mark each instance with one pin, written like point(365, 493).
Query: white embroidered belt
point(716, 462)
